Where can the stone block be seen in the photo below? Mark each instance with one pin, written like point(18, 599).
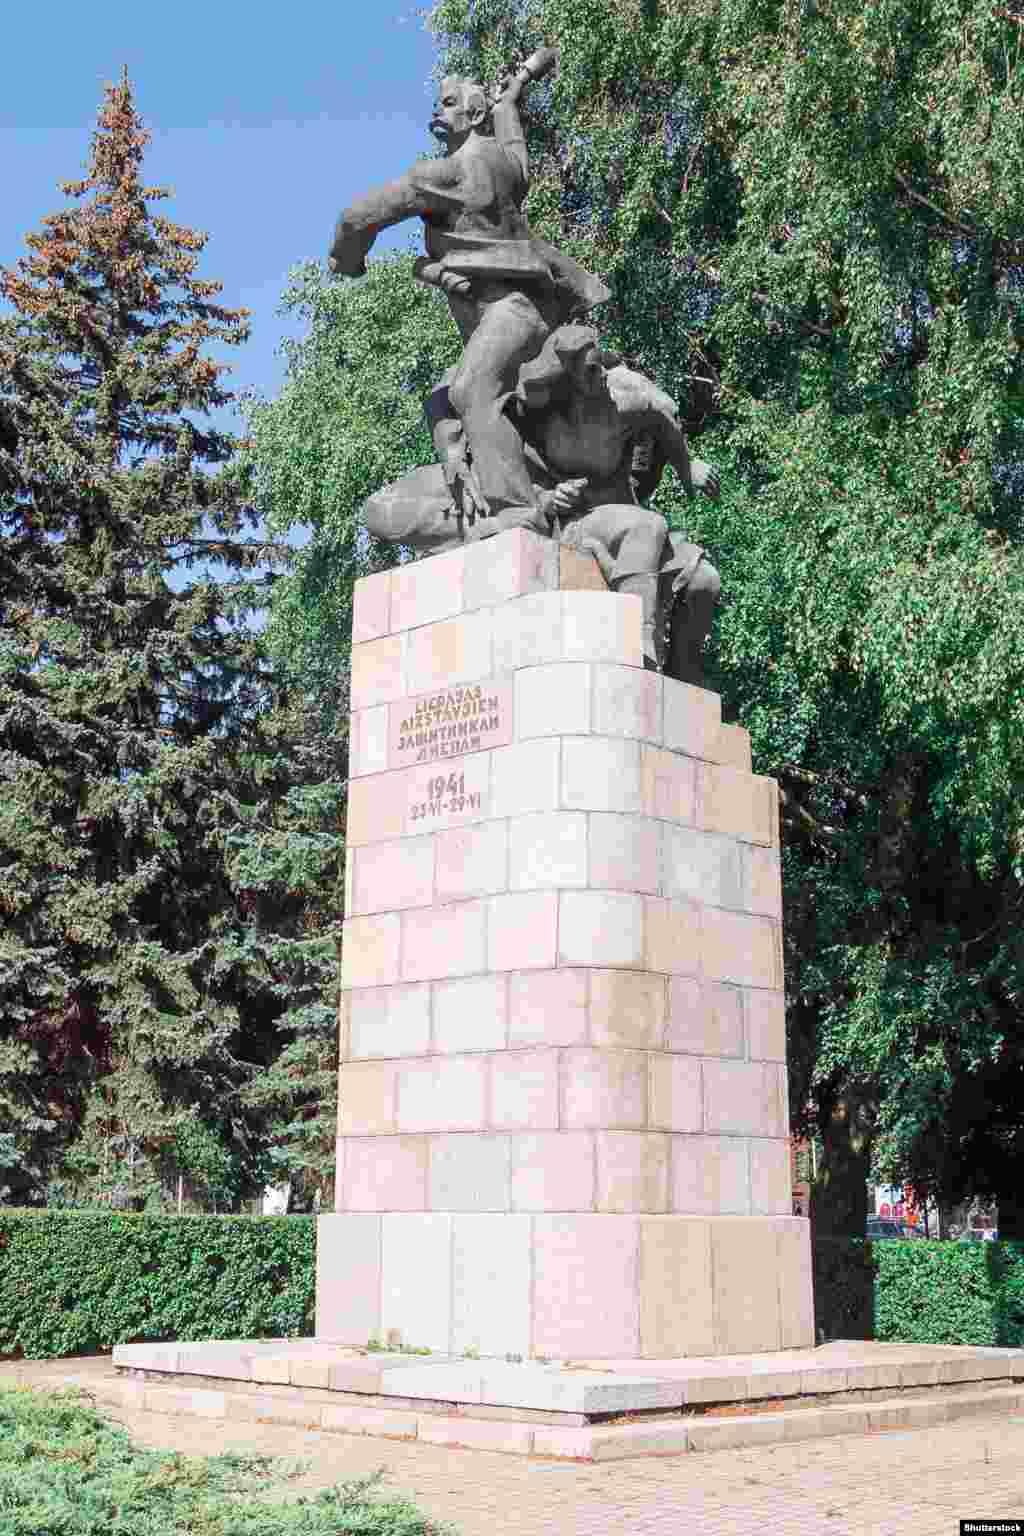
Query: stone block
point(547, 1007)
point(366, 1098)
point(389, 876)
point(771, 1188)
point(377, 808)
point(471, 861)
point(675, 1093)
point(579, 572)
point(348, 1277)
point(443, 941)
point(553, 1171)
point(744, 1261)
point(521, 930)
point(548, 850)
point(766, 1025)
point(368, 741)
point(763, 882)
point(387, 1423)
point(469, 1172)
point(733, 748)
point(692, 719)
point(423, 808)
point(705, 1018)
point(371, 607)
point(604, 1089)
point(444, 1093)
point(369, 953)
point(710, 1176)
point(586, 1286)
point(470, 1014)
point(552, 700)
point(676, 1307)
point(424, 591)
point(388, 1021)
point(524, 1090)
point(477, 1434)
point(528, 632)
point(632, 1172)
point(451, 652)
point(383, 1173)
point(507, 566)
point(699, 867)
point(416, 1286)
point(378, 672)
point(627, 701)
point(625, 852)
point(796, 1293)
point(735, 803)
point(524, 777)
point(738, 948)
point(616, 1442)
point(551, 1443)
point(602, 626)
point(627, 1008)
point(491, 1285)
point(672, 936)
point(600, 928)
point(744, 1098)
point(668, 785)
point(600, 774)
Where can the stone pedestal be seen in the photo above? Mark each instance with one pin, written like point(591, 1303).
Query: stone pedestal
point(563, 1128)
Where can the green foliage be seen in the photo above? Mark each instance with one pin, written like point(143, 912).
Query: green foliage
point(950, 1293)
point(64, 1468)
point(845, 1281)
point(74, 1282)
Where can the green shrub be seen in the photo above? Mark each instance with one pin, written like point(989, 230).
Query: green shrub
point(64, 1469)
point(950, 1293)
point(74, 1282)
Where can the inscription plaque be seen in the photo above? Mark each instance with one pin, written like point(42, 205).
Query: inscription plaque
point(447, 796)
point(451, 723)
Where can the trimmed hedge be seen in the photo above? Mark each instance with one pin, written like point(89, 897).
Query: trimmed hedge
point(76, 1282)
point(950, 1293)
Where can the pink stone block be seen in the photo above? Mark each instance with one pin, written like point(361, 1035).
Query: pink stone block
point(453, 651)
point(469, 1173)
point(625, 852)
point(389, 876)
point(507, 566)
point(604, 1089)
point(547, 1007)
point(424, 591)
point(524, 778)
point(366, 1098)
point(672, 936)
point(600, 774)
point(377, 672)
point(735, 803)
point(627, 702)
point(744, 1259)
point(764, 881)
point(600, 927)
point(371, 607)
point(766, 1026)
point(491, 1269)
point(471, 861)
point(710, 1176)
point(348, 1277)
point(632, 1171)
point(443, 941)
point(771, 1189)
point(416, 1274)
point(528, 632)
point(586, 1284)
point(385, 1173)
point(740, 949)
point(796, 1295)
point(704, 868)
point(521, 930)
point(627, 1008)
point(602, 626)
point(675, 1093)
point(705, 1018)
point(547, 850)
point(477, 1434)
point(368, 741)
point(552, 700)
point(470, 1014)
point(442, 1094)
point(676, 1308)
point(524, 1090)
point(668, 785)
point(692, 718)
point(553, 1171)
point(369, 951)
point(388, 1021)
point(734, 747)
point(376, 809)
point(744, 1098)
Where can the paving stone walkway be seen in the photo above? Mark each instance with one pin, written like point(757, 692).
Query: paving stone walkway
point(906, 1483)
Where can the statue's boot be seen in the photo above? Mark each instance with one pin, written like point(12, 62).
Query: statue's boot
point(645, 586)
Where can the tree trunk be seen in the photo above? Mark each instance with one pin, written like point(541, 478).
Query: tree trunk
point(843, 1274)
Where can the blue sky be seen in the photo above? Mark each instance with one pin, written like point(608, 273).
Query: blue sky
point(266, 121)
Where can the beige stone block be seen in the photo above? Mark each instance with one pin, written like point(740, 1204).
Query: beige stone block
point(600, 774)
point(444, 1093)
point(416, 1279)
point(371, 607)
point(735, 803)
point(528, 632)
point(734, 748)
point(744, 1098)
point(389, 876)
point(376, 809)
point(469, 1172)
point(766, 1025)
point(524, 1090)
point(425, 809)
point(625, 852)
point(553, 1171)
point(348, 1277)
point(675, 1093)
point(478, 1434)
point(524, 777)
point(547, 1007)
point(771, 1188)
point(368, 741)
point(604, 1089)
point(491, 1284)
point(578, 572)
point(377, 672)
point(387, 1021)
point(438, 942)
point(796, 1292)
point(627, 1008)
point(385, 1173)
point(763, 882)
point(202, 1404)
point(627, 701)
point(672, 936)
point(692, 719)
point(600, 927)
point(602, 626)
point(676, 1308)
point(709, 1434)
point(384, 1423)
point(738, 948)
point(366, 1098)
point(521, 929)
point(668, 785)
point(507, 566)
point(710, 1176)
point(618, 1442)
point(632, 1171)
point(369, 950)
point(705, 1018)
point(262, 1408)
point(471, 861)
point(586, 1284)
point(424, 591)
point(552, 700)
point(744, 1261)
point(701, 867)
point(547, 850)
point(453, 651)
point(470, 1014)
point(449, 725)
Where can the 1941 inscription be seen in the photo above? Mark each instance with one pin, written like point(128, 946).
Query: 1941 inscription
point(452, 723)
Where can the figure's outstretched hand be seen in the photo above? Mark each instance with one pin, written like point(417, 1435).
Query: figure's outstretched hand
point(704, 477)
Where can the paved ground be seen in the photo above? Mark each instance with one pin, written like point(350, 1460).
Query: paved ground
point(906, 1483)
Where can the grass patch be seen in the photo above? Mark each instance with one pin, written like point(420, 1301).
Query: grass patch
point(66, 1471)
